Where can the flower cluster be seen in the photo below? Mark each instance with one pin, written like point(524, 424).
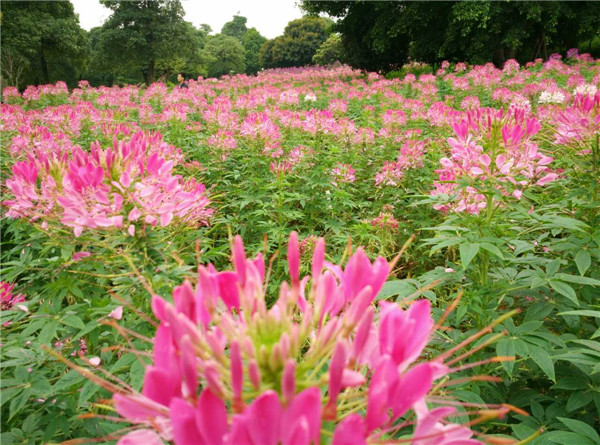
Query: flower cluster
point(491, 152)
point(343, 173)
point(129, 184)
point(411, 156)
point(228, 370)
point(8, 300)
point(579, 123)
point(386, 219)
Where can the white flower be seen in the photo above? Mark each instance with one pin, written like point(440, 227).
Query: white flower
point(551, 97)
point(586, 89)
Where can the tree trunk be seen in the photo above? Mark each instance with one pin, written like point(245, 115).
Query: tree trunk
point(44, 65)
point(151, 73)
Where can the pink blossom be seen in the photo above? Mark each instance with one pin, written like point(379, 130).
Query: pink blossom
point(116, 313)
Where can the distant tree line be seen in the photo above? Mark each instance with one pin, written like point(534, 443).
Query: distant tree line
point(148, 40)
point(376, 35)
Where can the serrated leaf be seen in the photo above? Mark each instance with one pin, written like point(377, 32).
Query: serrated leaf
point(583, 260)
point(468, 251)
point(565, 290)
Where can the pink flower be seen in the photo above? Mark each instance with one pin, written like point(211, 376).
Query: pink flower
point(9, 300)
point(138, 437)
point(431, 431)
point(116, 313)
point(77, 256)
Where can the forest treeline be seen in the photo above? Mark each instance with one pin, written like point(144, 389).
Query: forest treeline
point(148, 40)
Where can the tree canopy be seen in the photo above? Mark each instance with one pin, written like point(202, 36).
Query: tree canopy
point(252, 42)
point(42, 42)
point(223, 54)
point(147, 34)
point(298, 44)
point(376, 35)
point(236, 27)
point(331, 51)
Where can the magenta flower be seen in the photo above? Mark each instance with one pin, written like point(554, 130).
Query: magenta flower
point(128, 185)
point(491, 152)
point(8, 300)
point(229, 371)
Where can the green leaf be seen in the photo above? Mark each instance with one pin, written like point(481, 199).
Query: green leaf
point(580, 427)
point(529, 326)
point(572, 383)
point(87, 329)
point(87, 391)
point(583, 260)
point(565, 290)
point(578, 400)
point(541, 357)
point(567, 438)
point(19, 402)
point(402, 288)
point(583, 313)
point(467, 253)
point(577, 279)
point(137, 372)
point(506, 348)
point(492, 249)
point(48, 332)
point(73, 321)
point(8, 394)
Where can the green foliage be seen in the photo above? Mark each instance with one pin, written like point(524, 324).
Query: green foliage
point(147, 37)
point(223, 55)
point(235, 28)
point(331, 51)
point(296, 47)
point(380, 35)
point(252, 42)
point(42, 42)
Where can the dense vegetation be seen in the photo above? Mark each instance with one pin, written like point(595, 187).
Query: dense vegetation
point(146, 40)
point(485, 179)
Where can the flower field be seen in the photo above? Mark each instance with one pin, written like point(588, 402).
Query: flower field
point(165, 276)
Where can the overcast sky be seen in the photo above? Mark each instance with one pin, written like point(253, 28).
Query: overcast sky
point(269, 17)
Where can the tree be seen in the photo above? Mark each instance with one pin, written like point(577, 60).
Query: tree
point(252, 42)
point(298, 44)
point(235, 28)
point(42, 42)
point(223, 55)
point(331, 51)
point(266, 58)
point(376, 35)
point(146, 35)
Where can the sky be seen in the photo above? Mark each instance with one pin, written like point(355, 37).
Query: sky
point(269, 17)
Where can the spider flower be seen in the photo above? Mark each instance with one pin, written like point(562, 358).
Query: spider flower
point(491, 152)
point(229, 370)
point(129, 184)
